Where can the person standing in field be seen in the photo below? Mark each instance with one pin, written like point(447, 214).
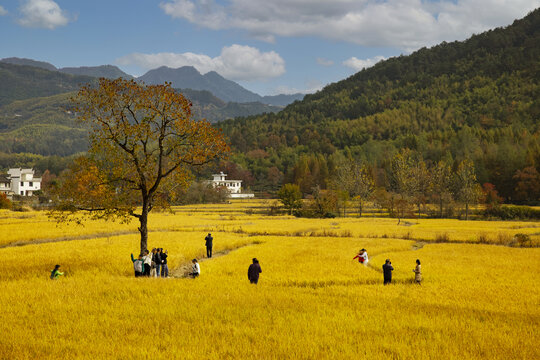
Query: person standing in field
point(164, 267)
point(253, 271)
point(156, 258)
point(417, 272)
point(153, 267)
point(55, 273)
point(362, 257)
point(138, 265)
point(209, 243)
point(195, 269)
point(387, 271)
point(147, 261)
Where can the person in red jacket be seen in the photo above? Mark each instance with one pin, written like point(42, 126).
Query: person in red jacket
point(362, 257)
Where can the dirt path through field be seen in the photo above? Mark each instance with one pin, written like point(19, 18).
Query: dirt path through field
point(184, 269)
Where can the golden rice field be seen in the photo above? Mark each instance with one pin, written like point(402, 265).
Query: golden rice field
point(477, 301)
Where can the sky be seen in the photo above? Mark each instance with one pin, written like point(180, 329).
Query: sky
point(267, 46)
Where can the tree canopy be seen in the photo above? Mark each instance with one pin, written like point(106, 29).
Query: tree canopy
point(143, 144)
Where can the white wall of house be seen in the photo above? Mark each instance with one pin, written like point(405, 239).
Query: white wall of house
point(5, 187)
point(234, 186)
point(23, 181)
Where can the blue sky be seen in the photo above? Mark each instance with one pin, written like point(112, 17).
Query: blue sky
point(268, 46)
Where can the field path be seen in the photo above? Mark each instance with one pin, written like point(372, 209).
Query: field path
point(184, 269)
point(416, 246)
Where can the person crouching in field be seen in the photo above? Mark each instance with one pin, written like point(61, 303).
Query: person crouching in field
point(55, 273)
point(387, 269)
point(362, 257)
point(253, 271)
point(138, 265)
point(147, 261)
point(195, 269)
point(417, 273)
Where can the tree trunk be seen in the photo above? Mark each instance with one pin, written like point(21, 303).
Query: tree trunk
point(360, 208)
point(440, 205)
point(143, 229)
point(466, 211)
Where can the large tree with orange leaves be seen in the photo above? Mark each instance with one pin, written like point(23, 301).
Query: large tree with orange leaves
point(143, 143)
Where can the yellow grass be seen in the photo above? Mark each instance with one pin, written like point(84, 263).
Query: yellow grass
point(313, 301)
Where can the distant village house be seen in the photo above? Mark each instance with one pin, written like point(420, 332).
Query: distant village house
point(20, 182)
point(233, 186)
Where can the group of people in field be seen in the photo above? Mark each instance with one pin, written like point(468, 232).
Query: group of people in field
point(388, 268)
point(154, 265)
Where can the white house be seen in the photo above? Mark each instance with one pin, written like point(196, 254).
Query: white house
point(23, 182)
point(233, 186)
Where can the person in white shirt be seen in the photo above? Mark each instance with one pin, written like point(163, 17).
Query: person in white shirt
point(147, 260)
point(362, 257)
point(195, 269)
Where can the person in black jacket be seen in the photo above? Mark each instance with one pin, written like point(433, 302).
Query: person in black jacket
point(387, 269)
point(164, 267)
point(209, 239)
point(253, 271)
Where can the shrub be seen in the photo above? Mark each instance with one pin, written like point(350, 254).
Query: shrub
point(5, 203)
point(444, 238)
point(513, 213)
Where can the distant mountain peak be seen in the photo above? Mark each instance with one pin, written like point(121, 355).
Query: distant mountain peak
point(106, 71)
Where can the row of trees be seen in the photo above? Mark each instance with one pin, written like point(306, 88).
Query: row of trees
point(411, 182)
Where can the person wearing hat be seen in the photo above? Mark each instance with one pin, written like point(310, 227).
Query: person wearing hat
point(387, 269)
point(55, 273)
point(253, 271)
point(195, 269)
point(209, 243)
point(362, 257)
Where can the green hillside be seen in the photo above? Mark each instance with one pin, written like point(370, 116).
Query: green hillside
point(47, 126)
point(478, 99)
point(19, 82)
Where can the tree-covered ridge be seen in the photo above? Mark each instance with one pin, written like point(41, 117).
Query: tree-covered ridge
point(475, 99)
point(23, 82)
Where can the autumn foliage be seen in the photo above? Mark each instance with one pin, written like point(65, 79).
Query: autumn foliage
point(143, 144)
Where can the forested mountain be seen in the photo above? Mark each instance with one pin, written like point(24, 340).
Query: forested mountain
point(47, 126)
point(18, 82)
point(29, 62)
point(476, 99)
point(106, 71)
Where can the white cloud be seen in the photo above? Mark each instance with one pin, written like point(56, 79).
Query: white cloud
point(44, 14)
point(236, 62)
point(3, 11)
point(324, 62)
point(359, 64)
point(406, 24)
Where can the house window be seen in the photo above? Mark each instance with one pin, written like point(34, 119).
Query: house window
point(22, 192)
point(22, 183)
point(30, 184)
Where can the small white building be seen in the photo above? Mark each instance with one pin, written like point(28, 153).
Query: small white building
point(23, 182)
point(233, 186)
